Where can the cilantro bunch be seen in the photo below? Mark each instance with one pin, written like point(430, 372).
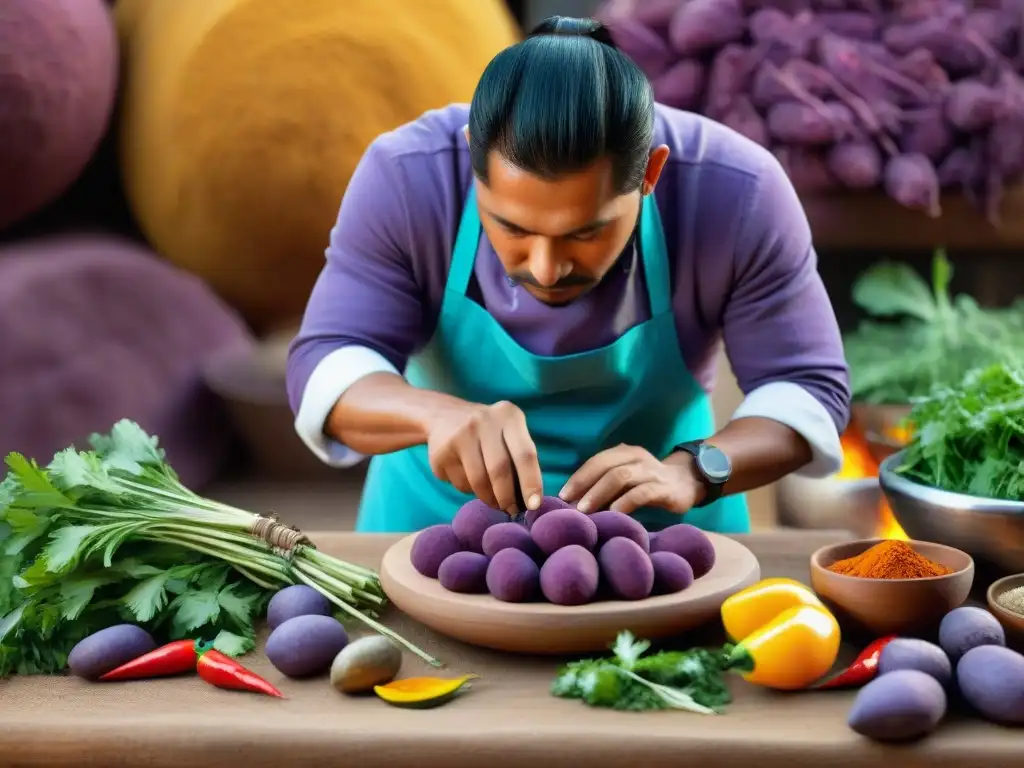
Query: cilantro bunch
point(690, 680)
point(919, 335)
point(969, 438)
point(111, 535)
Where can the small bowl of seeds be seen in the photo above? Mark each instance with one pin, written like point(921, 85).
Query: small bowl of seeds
point(1006, 601)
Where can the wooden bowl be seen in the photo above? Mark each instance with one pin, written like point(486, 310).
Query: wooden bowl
point(546, 629)
point(1012, 622)
point(892, 606)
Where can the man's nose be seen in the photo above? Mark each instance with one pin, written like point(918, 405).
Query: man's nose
point(544, 265)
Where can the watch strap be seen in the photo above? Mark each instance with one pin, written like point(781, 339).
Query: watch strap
point(712, 489)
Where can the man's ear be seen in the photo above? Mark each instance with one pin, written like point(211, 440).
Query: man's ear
point(655, 165)
point(465, 132)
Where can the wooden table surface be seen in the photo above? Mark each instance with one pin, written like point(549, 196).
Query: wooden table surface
point(507, 719)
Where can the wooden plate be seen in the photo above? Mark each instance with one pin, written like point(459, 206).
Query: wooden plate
point(543, 628)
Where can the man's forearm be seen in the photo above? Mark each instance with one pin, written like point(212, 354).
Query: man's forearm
point(761, 450)
point(382, 413)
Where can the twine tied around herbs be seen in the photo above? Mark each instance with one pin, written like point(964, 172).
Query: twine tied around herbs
point(281, 538)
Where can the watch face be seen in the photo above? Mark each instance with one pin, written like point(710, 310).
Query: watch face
point(715, 464)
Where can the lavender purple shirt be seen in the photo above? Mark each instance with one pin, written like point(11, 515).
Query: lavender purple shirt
point(743, 268)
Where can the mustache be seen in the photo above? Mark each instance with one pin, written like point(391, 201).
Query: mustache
point(569, 281)
point(575, 281)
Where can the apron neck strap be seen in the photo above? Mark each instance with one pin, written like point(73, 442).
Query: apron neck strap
point(654, 253)
point(653, 250)
point(466, 243)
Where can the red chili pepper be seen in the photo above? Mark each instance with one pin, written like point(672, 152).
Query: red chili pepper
point(171, 659)
point(224, 672)
point(863, 669)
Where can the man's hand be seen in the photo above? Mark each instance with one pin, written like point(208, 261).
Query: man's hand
point(482, 449)
point(627, 477)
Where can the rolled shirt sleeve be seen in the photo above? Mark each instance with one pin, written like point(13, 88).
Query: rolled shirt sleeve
point(780, 330)
point(365, 312)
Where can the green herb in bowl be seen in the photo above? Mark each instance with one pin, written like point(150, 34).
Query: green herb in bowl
point(969, 438)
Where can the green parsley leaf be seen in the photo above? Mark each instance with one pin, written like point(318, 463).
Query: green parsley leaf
point(127, 448)
point(148, 597)
point(193, 610)
point(65, 543)
point(76, 594)
point(239, 607)
point(35, 482)
point(231, 644)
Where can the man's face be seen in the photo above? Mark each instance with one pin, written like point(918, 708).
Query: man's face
point(559, 237)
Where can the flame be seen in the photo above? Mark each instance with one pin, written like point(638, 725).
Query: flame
point(858, 463)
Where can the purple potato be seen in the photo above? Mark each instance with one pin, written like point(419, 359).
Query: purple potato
point(509, 536)
point(856, 164)
point(991, 679)
point(296, 600)
point(108, 649)
point(643, 45)
point(626, 568)
point(513, 576)
point(464, 572)
point(652, 536)
point(703, 25)
point(654, 13)
point(690, 543)
point(672, 573)
point(903, 705)
point(306, 645)
point(431, 547)
point(612, 524)
point(681, 85)
point(913, 181)
point(571, 576)
point(547, 504)
point(968, 627)
point(563, 527)
point(470, 522)
point(911, 653)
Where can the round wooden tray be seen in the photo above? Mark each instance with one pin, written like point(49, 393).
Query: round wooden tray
point(543, 628)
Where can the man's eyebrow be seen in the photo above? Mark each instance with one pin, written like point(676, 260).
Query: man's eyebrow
point(588, 227)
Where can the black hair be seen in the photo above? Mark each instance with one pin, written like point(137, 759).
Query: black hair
point(562, 99)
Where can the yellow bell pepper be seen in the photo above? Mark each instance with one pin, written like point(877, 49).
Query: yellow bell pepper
point(789, 637)
point(758, 604)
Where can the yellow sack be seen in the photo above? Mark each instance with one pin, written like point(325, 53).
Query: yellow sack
point(244, 119)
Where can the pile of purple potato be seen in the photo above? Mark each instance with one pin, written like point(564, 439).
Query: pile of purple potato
point(560, 555)
point(908, 95)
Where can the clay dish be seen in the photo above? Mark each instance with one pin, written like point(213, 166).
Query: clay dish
point(1012, 622)
point(892, 606)
point(546, 629)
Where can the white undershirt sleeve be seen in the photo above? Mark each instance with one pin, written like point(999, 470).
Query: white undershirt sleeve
point(792, 405)
point(334, 374)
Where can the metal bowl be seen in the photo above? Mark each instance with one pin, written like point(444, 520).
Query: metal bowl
point(987, 529)
point(829, 503)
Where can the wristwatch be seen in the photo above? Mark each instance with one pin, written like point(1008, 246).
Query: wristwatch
point(712, 464)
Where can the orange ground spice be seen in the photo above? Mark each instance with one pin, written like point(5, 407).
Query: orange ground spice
point(890, 559)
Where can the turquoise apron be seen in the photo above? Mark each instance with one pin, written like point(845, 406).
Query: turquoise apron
point(636, 390)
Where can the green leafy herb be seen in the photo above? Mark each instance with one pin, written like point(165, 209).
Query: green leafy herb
point(970, 438)
point(689, 680)
point(920, 336)
point(110, 535)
